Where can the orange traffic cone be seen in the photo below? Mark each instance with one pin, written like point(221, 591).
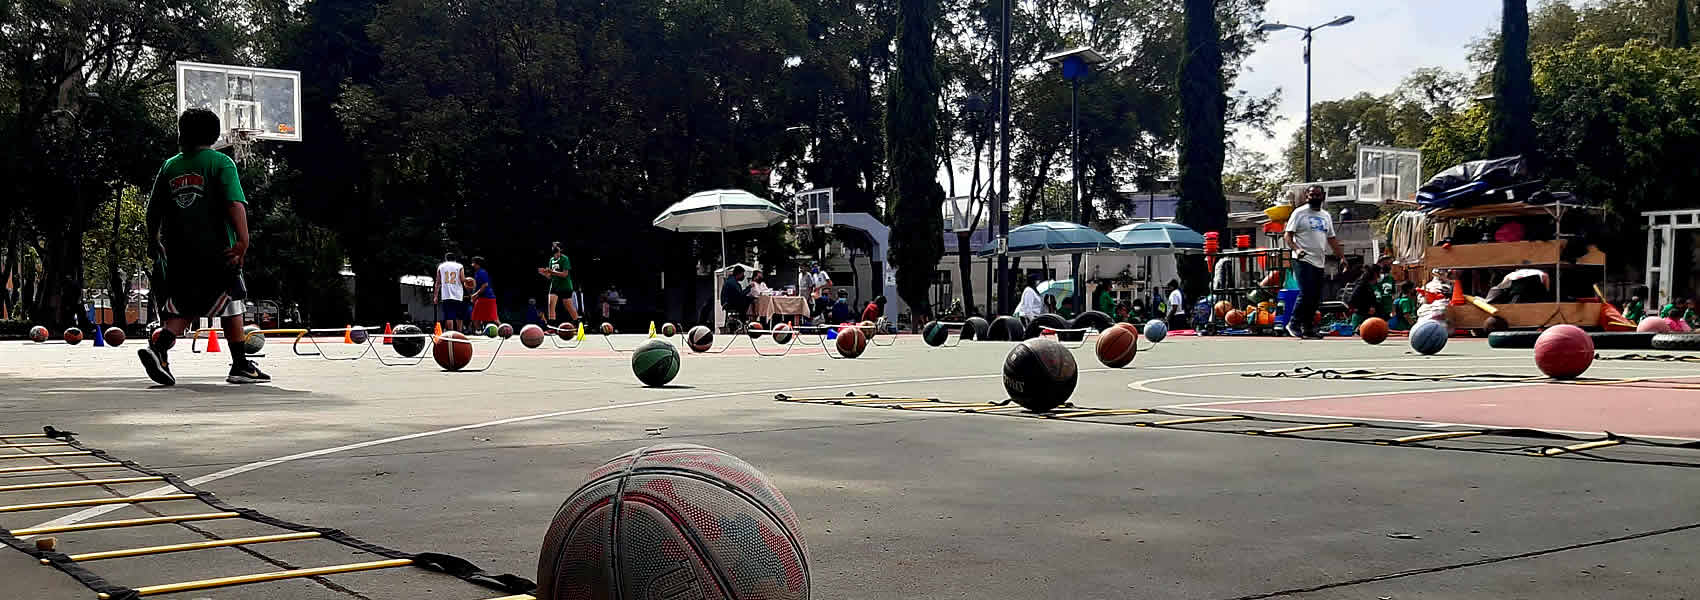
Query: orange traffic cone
point(387, 332)
point(438, 330)
point(1458, 293)
point(212, 341)
point(347, 334)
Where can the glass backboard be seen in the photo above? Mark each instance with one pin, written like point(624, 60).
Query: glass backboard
point(263, 102)
point(1388, 174)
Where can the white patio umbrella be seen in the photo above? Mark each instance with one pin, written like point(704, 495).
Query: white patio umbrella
point(719, 211)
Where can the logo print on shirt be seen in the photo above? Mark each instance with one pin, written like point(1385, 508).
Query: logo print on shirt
point(186, 189)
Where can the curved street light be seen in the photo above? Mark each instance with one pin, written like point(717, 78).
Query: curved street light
point(1308, 31)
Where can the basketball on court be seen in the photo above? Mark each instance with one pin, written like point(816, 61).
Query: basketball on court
point(685, 518)
point(1564, 352)
point(851, 342)
point(655, 363)
point(409, 340)
point(934, 333)
point(114, 336)
point(782, 333)
point(1117, 347)
point(38, 334)
point(607, 328)
point(1040, 374)
point(452, 351)
point(1373, 330)
point(566, 330)
point(531, 336)
point(72, 336)
point(700, 338)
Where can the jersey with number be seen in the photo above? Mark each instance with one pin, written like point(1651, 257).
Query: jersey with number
point(190, 202)
point(451, 279)
point(561, 284)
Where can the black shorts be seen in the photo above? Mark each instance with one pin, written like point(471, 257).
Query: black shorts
point(218, 294)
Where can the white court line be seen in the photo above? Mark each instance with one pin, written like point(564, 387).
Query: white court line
point(1435, 424)
point(83, 515)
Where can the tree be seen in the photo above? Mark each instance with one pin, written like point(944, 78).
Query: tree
point(1512, 129)
point(1203, 133)
point(1680, 37)
point(912, 141)
point(1402, 118)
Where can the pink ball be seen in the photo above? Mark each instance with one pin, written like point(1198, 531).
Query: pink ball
point(1653, 325)
point(1564, 352)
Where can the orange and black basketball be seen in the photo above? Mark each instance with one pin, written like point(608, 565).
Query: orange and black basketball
point(452, 351)
point(851, 341)
point(1117, 347)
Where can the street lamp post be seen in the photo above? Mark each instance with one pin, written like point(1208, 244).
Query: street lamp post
point(1003, 156)
point(1269, 27)
point(1076, 65)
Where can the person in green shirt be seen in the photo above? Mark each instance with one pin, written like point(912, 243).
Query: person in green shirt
point(1636, 308)
point(197, 236)
point(1105, 301)
point(560, 277)
point(1405, 307)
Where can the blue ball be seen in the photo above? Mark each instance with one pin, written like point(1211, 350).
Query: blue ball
point(1429, 336)
point(1155, 330)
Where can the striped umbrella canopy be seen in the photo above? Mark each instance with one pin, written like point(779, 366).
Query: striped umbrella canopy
point(1158, 238)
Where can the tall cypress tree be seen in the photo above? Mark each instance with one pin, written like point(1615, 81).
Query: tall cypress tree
point(1511, 129)
point(912, 133)
point(1203, 150)
point(1680, 37)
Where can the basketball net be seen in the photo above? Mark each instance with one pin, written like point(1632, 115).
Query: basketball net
point(242, 144)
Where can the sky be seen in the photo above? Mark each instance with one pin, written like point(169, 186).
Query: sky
point(1372, 54)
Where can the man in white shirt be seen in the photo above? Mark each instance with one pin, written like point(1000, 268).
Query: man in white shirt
point(1031, 305)
point(1310, 232)
point(1177, 307)
point(449, 292)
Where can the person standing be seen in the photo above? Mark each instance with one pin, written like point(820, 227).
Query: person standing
point(1310, 233)
point(559, 272)
point(1176, 304)
point(1105, 301)
point(197, 234)
point(483, 296)
point(449, 292)
point(1031, 304)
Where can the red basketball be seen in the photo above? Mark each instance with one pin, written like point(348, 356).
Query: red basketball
point(566, 330)
point(531, 336)
point(114, 336)
point(452, 351)
point(72, 336)
point(1117, 346)
point(851, 342)
point(1234, 318)
point(1373, 330)
point(1564, 352)
point(38, 334)
point(607, 328)
point(674, 521)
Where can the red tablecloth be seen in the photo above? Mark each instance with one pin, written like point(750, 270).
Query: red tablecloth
point(767, 306)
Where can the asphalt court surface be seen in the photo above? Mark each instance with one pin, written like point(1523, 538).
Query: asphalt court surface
point(894, 503)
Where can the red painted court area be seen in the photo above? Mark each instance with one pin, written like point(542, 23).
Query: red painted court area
point(1669, 408)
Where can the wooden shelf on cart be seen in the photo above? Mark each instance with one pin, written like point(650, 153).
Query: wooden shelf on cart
point(1504, 254)
point(1530, 315)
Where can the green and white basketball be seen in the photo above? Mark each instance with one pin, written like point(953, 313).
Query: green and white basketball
point(655, 363)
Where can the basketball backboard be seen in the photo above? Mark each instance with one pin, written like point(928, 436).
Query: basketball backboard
point(1388, 174)
point(959, 214)
point(814, 209)
point(262, 103)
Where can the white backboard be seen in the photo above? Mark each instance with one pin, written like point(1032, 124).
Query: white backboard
point(1388, 174)
point(266, 100)
point(814, 209)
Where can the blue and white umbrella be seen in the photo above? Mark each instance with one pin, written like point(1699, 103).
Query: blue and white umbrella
point(1057, 237)
point(720, 211)
point(1158, 238)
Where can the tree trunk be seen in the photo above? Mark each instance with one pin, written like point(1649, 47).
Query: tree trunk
point(1681, 37)
point(1203, 133)
point(1034, 195)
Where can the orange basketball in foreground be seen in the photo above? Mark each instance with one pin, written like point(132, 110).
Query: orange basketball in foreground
point(452, 351)
point(851, 342)
point(1373, 330)
point(1117, 346)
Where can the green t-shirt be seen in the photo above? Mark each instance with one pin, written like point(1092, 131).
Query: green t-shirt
point(561, 283)
point(1106, 302)
point(1634, 311)
point(1405, 305)
point(191, 203)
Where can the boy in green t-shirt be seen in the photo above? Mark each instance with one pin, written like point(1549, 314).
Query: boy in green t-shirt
point(560, 277)
point(1405, 306)
point(197, 235)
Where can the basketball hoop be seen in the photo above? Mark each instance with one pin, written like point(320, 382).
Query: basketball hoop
point(242, 144)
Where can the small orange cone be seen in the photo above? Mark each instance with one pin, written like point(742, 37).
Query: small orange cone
point(438, 330)
point(387, 332)
point(1458, 293)
point(212, 341)
point(347, 334)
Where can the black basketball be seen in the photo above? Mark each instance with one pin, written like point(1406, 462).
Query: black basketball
point(1040, 374)
point(1039, 324)
point(934, 333)
point(975, 328)
point(407, 346)
point(1006, 329)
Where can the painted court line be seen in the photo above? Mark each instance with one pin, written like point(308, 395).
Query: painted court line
point(87, 514)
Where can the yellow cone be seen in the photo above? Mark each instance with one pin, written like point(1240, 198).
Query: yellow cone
point(652, 330)
point(580, 329)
